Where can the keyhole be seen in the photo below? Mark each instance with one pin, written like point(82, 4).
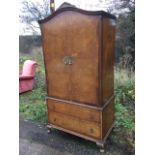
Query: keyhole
point(91, 130)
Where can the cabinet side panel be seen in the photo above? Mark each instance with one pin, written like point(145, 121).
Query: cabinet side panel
point(108, 59)
point(107, 117)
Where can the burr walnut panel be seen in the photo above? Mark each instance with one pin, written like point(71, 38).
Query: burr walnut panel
point(66, 36)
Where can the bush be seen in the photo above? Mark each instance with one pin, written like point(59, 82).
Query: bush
point(124, 130)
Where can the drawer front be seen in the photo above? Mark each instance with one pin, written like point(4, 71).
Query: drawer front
point(75, 110)
point(84, 127)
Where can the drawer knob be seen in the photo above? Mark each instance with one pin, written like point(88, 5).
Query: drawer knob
point(91, 130)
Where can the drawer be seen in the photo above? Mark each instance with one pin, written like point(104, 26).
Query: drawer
point(84, 127)
point(77, 111)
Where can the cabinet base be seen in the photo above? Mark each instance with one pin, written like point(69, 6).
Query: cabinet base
point(99, 143)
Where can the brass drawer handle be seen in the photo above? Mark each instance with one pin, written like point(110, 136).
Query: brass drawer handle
point(68, 60)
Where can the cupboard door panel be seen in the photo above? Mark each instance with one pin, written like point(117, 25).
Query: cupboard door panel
point(74, 35)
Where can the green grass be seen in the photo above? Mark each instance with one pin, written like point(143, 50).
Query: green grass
point(34, 112)
point(33, 106)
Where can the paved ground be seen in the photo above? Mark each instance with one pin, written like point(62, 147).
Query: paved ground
point(34, 140)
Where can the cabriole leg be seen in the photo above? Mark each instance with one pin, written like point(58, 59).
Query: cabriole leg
point(49, 130)
point(100, 144)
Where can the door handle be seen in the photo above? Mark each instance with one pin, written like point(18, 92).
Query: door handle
point(68, 60)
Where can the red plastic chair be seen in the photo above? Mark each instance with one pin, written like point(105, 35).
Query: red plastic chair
point(26, 77)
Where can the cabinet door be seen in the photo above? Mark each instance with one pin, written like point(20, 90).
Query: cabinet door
point(55, 49)
point(71, 44)
point(84, 46)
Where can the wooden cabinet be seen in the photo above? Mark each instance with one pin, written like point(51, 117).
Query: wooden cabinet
point(78, 49)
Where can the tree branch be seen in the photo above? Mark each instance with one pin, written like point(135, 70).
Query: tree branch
point(34, 11)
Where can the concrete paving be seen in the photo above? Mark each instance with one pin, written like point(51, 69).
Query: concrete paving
point(34, 140)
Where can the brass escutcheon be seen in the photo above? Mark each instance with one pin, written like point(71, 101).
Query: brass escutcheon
point(68, 60)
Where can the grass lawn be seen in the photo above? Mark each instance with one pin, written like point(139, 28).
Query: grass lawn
point(33, 106)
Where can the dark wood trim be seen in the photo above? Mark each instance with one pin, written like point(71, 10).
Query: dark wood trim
point(103, 13)
point(81, 104)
